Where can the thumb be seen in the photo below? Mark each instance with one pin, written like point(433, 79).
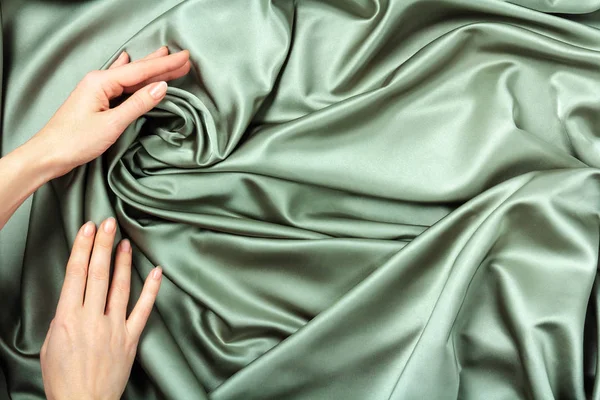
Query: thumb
point(139, 103)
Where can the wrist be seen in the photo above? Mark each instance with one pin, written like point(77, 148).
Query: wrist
point(44, 162)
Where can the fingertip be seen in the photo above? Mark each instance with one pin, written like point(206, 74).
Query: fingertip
point(156, 273)
point(158, 90)
point(143, 308)
point(122, 59)
point(125, 246)
point(160, 52)
point(185, 54)
point(109, 225)
point(88, 229)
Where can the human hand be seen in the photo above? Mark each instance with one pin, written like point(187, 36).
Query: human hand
point(85, 126)
point(91, 344)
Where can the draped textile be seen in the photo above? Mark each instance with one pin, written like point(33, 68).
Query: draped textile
point(358, 199)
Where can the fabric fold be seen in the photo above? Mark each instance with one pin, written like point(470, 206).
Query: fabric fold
point(369, 199)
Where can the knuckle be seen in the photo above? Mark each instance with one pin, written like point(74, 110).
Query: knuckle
point(81, 246)
point(92, 78)
point(121, 286)
point(99, 274)
point(113, 88)
point(138, 103)
point(76, 270)
point(104, 245)
point(114, 123)
point(124, 260)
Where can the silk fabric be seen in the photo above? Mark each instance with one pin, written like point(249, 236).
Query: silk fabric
point(359, 199)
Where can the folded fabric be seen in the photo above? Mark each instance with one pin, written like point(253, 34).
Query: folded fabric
point(359, 199)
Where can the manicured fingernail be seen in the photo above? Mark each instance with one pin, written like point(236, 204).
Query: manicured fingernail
point(88, 229)
point(158, 90)
point(125, 246)
point(110, 225)
point(160, 49)
point(156, 273)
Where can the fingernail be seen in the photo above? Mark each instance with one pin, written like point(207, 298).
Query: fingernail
point(156, 273)
point(125, 246)
point(121, 55)
point(110, 225)
point(158, 50)
point(88, 229)
point(158, 90)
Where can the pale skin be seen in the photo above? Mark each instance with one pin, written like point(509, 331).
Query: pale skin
point(91, 343)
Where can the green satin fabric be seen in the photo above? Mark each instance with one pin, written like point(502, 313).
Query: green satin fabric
point(359, 199)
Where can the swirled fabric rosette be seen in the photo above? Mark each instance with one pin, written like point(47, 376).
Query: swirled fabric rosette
point(368, 199)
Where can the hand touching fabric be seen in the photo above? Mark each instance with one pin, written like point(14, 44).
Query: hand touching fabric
point(90, 348)
point(91, 345)
point(85, 126)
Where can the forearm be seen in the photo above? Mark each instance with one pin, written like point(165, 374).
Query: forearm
point(22, 172)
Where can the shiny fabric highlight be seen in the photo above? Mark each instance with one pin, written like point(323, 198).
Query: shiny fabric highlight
point(359, 199)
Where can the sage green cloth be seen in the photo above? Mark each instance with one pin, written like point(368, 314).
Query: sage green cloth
point(358, 199)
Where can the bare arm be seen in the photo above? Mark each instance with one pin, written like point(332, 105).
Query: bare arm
point(89, 350)
point(85, 126)
point(23, 171)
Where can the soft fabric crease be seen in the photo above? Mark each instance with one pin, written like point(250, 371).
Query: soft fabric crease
point(368, 199)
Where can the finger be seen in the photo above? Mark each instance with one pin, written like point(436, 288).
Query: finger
point(139, 316)
point(124, 57)
point(99, 270)
point(118, 296)
point(178, 73)
point(121, 60)
point(160, 52)
point(73, 289)
point(137, 105)
point(135, 73)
